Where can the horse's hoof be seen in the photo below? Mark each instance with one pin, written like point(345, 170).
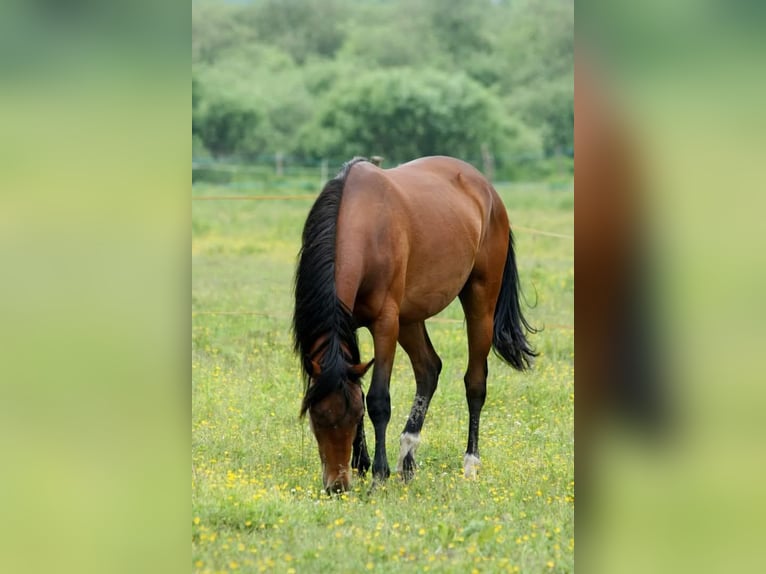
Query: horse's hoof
point(381, 475)
point(407, 469)
point(409, 443)
point(362, 467)
point(471, 464)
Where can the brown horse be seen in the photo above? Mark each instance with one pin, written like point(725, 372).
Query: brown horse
point(387, 249)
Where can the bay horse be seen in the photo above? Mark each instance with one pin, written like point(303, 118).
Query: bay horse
point(386, 249)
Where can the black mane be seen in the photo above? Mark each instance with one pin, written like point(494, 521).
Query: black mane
point(318, 311)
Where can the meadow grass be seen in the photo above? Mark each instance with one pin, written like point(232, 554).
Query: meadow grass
point(257, 504)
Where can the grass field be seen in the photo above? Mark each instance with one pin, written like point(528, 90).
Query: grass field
point(257, 504)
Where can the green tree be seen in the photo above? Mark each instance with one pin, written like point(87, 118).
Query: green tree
point(556, 113)
point(233, 127)
point(536, 60)
point(302, 28)
point(459, 26)
point(217, 28)
point(402, 114)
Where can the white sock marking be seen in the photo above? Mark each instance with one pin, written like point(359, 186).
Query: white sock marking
point(408, 443)
point(471, 464)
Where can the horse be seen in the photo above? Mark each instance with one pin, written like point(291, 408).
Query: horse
point(386, 249)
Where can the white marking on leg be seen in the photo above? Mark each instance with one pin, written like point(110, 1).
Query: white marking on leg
point(419, 408)
point(408, 443)
point(471, 464)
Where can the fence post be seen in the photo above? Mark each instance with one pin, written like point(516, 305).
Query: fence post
point(488, 161)
point(279, 160)
point(323, 171)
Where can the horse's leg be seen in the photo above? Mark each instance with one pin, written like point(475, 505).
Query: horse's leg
point(360, 458)
point(426, 364)
point(479, 311)
point(384, 334)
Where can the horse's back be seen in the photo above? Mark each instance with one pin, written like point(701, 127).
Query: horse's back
point(412, 234)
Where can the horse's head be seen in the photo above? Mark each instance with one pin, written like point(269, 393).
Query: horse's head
point(334, 420)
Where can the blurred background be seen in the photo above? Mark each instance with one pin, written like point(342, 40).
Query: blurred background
point(295, 85)
point(94, 240)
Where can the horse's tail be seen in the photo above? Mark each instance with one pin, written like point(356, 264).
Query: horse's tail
point(509, 337)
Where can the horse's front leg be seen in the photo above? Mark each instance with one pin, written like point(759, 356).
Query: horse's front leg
point(360, 458)
point(384, 334)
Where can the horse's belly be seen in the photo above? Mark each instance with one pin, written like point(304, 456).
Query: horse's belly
point(422, 307)
point(433, 284)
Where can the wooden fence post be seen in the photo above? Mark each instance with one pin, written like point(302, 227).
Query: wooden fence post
point(488, 161)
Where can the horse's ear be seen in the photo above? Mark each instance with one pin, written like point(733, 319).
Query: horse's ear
point(358, 371)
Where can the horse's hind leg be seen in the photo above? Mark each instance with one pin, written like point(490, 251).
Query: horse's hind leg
point(478, 304)
point(426, 364)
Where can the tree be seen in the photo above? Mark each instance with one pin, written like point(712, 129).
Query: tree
point(216, 28)
point(459, 26)
point(302, 28)
point(536, 64)
point(233, 127)
point(402, 114)
point(556, 114)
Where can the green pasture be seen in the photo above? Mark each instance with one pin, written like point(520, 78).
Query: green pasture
point(257, 504)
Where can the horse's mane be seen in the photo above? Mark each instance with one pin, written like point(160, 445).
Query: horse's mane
point(318, 311)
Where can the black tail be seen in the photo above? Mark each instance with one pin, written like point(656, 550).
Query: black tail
point(509, 337)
